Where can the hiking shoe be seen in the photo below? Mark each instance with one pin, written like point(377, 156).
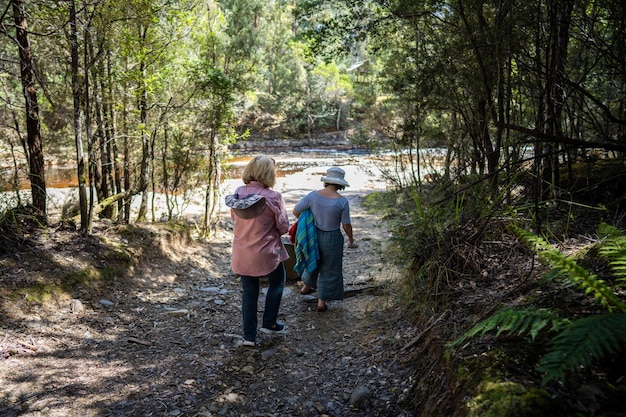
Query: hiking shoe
point(277, 328)
point(250, 343)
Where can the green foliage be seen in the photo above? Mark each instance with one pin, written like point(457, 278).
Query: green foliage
point(380, 202)
point(510, 399)
point(574, 344)
point(431, 68)
point(333, 27)
point(582, 342)
point(438, 227)
point(588, 282)
point(614, 249)
point(512, 321)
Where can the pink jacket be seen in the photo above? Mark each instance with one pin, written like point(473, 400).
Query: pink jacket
point(257, 245)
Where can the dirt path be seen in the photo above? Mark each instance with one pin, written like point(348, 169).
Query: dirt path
point(166, 342)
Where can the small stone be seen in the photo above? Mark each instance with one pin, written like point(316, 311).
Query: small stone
point(266, 354)
point(179, 312)
point(35, 324)
point(248, 369)
point(77, 306)
point(214, 290)
point(360, 397)
point(106, 302)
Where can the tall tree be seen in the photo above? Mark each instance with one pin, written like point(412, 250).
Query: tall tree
point(142, 105)
point(559, 18)
point(78, 121)
point(33, 127)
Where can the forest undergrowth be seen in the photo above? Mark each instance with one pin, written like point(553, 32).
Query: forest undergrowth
point(517, 321)
point(450, 311)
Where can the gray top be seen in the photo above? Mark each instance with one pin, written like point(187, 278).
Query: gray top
point(329, 213)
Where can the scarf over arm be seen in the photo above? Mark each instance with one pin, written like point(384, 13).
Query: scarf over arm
point(307, 250)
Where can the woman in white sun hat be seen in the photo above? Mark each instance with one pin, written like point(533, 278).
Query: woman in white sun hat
point(330, 211)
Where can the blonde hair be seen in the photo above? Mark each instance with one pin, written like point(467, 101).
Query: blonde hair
point(261, 168)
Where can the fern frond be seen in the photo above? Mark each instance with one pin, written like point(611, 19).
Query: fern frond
point(614, 249)
point(608, 231)
point(514, 321)
point(581, 343)
point(585, 280)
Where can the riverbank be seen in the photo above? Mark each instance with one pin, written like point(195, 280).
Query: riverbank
point(298, 173)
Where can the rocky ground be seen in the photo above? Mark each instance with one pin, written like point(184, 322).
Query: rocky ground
point(164, 339)
point(144, 320)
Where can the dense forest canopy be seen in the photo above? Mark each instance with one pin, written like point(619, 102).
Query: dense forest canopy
point(155, 91)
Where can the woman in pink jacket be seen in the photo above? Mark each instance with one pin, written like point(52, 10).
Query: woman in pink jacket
point(260, 219)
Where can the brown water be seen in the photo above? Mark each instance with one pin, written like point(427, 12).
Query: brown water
point(287, 163)
point(298, 174)
point(56, 177)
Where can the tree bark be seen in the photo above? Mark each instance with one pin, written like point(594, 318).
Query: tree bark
point(78, 123)
point(559, 19)
point(144, 176)
point(33, 127)
point(103, 166)
point(111, 136)
point(91, 151)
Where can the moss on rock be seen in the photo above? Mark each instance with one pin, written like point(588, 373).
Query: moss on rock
point(510, 399)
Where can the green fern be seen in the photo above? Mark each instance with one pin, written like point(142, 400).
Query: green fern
point(511, 321)
point(577, 343)
point(581, 342)
point(585, 280)
point(614, 249)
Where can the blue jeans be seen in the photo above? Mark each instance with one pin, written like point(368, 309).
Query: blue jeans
point(250, 299)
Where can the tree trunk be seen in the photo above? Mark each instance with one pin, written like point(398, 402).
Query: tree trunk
point(108, 148)
point(78, 123)
point(91, 148)
point(144, 176)
point(125, 213)
point(309, 116)
point(212, 188)
point(33, 128)
point(166, 174)
point(16, 165)
point(559, 18)
point(111, 136)
point(103, 164)
point(538, 187)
